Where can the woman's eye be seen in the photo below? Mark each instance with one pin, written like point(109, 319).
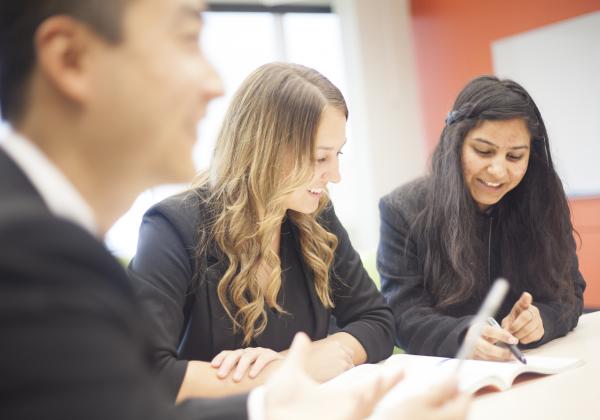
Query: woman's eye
point(514, 158)
point(321, 160)
point(483, 152)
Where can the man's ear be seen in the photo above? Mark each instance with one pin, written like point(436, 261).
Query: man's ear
point(62, 47)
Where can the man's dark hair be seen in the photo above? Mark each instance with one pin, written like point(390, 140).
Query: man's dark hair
point(19, 20)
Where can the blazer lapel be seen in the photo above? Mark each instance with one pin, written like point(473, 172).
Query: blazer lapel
point(322, 315)
point(221, 326)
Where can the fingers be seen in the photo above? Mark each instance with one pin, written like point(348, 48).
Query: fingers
point(520, 321)
point(493, 335)
point(524, 301)
point(533, 330)
point(485, 350)
point(228, 361)
point(263, 360)
point(506, 321)
point(241, 361)
point(534, 336)
point(248, 358)
point(524, 321)
point(529, 322)
point(218, 359)
point(520, 305)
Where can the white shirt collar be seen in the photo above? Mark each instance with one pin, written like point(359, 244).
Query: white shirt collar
point(59, 194)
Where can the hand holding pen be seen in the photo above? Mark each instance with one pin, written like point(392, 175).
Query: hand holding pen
point(512, 347)
point(489, 347)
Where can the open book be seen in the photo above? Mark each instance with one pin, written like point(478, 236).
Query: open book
point(477, 374)
point(421, 372)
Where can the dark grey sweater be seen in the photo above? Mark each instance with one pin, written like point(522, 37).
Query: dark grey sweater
point(422, 329)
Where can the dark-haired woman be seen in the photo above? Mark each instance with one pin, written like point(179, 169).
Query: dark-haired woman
point(493, 205)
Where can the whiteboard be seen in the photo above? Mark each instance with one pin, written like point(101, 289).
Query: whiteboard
point(559, 65)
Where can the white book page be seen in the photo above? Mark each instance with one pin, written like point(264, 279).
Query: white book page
point(423, 372)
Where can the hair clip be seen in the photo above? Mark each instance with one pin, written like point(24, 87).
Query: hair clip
point(452, 117)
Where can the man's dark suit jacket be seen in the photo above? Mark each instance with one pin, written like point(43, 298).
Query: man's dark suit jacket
point(72, 341)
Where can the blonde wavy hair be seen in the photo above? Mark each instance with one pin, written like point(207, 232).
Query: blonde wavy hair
point(265, 150)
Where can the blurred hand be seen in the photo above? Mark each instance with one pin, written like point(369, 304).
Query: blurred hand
point(251, 359)
point(442, 402)
point(524, 320)
point(291, 394)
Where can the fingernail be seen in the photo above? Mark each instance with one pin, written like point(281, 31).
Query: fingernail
point(513, 340)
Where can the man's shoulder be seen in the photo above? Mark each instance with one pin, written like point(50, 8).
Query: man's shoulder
point(41, 248)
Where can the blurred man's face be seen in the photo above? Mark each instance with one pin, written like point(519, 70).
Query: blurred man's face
point(151, 90)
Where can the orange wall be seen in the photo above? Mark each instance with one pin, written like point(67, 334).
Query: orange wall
point(452, 41)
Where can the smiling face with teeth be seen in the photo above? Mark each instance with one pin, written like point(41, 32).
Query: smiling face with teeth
point(329, 140)
point(495, 155)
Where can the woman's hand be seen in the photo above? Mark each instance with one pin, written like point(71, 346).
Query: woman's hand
point(524, 320)
point(327, 359)
point(251, 359)
point(487, 348)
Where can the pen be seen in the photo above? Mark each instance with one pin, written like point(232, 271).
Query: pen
point(512, 347)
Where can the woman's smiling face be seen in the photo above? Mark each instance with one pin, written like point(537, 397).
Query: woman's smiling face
point(330, 138)
point(494, 156)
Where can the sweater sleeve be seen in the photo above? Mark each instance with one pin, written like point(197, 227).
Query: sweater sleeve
point(420, 328)
point(557, 318)
point(360, 309)
point(161, 273)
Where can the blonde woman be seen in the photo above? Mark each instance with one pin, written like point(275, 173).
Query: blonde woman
point(231, 270)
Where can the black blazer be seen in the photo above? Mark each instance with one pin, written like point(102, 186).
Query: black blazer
point(73, 343)
point(421, 328)
point(187, 318)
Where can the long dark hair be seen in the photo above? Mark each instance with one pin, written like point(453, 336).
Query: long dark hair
point(534, 226)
